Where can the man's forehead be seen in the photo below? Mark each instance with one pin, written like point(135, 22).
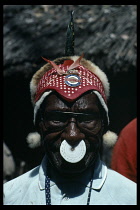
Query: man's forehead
point(86, 101)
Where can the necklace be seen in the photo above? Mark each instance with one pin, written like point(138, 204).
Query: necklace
point(48, 194)
point(47, 191)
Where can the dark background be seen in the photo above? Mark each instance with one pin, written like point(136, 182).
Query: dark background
point(106, 34)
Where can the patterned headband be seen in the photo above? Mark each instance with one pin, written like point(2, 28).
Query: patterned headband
point(70, 80)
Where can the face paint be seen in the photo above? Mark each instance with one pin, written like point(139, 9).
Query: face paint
point(61, 136)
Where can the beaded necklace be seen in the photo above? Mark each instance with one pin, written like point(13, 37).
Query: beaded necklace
point(47, 191)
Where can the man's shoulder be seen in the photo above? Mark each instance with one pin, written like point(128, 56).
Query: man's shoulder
point(113, 175)
point(26, 176)
point(121, 188)
point(21, 182)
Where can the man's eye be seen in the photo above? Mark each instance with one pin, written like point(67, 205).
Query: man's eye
point(56, 121)
point(87, 119)
point(51, 117)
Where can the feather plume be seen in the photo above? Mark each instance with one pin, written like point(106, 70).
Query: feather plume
point(59, 71)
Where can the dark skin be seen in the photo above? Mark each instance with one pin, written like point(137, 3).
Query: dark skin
point(53, 133)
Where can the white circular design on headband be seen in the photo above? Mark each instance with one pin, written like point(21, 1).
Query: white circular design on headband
point(73, 154)
point(72, 80)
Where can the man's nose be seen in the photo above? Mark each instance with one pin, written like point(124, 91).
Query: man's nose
point(72, 133)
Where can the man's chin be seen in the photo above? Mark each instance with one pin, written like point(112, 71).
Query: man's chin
point(68, 168)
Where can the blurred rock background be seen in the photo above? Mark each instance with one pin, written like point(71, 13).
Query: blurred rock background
point(106, 34)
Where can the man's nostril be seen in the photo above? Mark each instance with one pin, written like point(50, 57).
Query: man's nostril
point(73, 134)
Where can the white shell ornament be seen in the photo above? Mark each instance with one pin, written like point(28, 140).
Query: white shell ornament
point(73, 154)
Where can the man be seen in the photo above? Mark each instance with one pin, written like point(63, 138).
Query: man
point(70, 96)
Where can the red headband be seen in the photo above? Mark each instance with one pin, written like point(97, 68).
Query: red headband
point(70, 84)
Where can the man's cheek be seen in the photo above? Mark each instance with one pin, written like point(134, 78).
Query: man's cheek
point(92, 140)
point(52, 141)
point(51, 136)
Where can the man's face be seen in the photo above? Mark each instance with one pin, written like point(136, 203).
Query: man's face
point(59, 126)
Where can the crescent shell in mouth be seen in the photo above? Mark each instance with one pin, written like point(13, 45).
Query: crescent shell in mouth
point(73, 154)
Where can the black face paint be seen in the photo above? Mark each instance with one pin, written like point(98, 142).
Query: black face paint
point(80, 120)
